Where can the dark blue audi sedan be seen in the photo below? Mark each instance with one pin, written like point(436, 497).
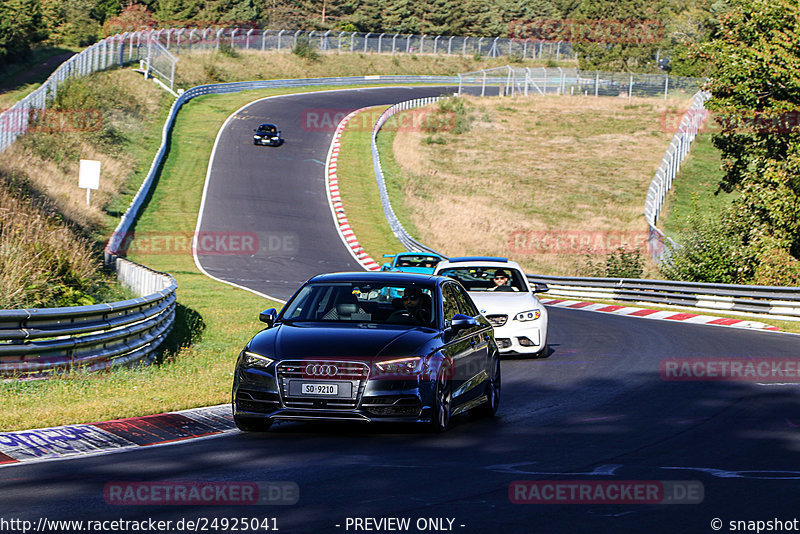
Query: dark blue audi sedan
point(346, 347)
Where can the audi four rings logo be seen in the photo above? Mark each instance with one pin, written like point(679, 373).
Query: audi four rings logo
point(321, 369)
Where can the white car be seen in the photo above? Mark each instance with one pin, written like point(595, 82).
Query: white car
point(506, 298)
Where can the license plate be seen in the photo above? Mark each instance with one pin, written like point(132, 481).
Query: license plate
point(320, 389)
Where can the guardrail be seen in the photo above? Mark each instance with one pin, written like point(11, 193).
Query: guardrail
point(40, 342)
point(399, 232)
point(670, 165)
point(779, 302)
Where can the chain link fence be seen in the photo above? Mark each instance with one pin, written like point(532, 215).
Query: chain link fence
point(511, 81)
point(181, 40)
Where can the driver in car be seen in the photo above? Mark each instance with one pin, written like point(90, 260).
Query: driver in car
point(500, 280)
point(415, 307)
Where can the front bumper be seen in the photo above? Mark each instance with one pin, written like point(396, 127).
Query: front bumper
point(256, 394)
point(514, 338)
point(269, 141)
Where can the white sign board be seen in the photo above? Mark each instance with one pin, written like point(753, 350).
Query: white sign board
point(89, 177)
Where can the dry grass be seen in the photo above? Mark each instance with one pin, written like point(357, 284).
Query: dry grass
point(59, 182)
point(38, 255)
point(578, 168)
point(214, 67)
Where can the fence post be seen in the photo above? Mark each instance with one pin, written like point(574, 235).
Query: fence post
point(630, 87)
point(666, 85)
point(380, 42)
point(450, 44)
point(464, 47)
point(483, 86)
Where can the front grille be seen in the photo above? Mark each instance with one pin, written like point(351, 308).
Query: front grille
point(503, 342)
point(497, 320)
point(340, 372)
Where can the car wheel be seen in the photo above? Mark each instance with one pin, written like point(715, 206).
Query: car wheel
point(250, 424)
point(442, 402)
point(255, 143)
point(544, 353)
point(492, 393)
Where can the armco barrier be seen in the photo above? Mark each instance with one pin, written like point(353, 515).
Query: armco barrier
point(399, 232)
point(40, 342)
point(779, 302)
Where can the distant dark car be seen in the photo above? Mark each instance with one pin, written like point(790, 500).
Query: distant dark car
point(343, 349)
point(267, 134)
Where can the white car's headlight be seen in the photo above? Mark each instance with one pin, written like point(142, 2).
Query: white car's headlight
point(530, 315)
point(251, 359)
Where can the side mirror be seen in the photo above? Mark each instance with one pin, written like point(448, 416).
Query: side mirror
point(461, 321)
point(268, 316)
point(540, 287)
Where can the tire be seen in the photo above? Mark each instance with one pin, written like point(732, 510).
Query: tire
point(249, 424)
point(492, 393)
point(442, 403)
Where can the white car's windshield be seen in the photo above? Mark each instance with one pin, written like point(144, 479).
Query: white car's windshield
point(486, 278)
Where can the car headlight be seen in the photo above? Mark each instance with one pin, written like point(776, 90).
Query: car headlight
point(530, 315)
point(401, 366)
point(251, 359)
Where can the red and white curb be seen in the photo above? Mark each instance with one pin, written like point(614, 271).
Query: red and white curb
point(112, 436)
point(645, 313)
point(335, 200)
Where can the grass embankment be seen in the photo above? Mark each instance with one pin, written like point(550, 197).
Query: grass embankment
point(694, 190)
point(548, 182)
point(111, 117)
point(359, 190)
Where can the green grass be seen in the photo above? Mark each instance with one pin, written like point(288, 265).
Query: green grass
point(359, 190)
point(694, 189)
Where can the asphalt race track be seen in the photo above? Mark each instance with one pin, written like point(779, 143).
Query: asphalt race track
point(596, 410)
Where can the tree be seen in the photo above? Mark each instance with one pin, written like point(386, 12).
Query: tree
point(619, 34)
point(755, 87)
point(19, 24)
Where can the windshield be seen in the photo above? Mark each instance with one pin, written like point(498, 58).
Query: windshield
point(362, 302)
point(421, 261)
point(486, 278)
point(266, 128)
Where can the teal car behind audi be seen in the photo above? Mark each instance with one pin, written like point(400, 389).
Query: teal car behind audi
point(412, 262)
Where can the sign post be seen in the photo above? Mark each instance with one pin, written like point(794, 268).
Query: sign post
point(89, 177)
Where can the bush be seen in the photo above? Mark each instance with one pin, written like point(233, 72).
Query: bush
point(713, 250)
point(304, 49)
point(622, 263)
point(451, 115)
